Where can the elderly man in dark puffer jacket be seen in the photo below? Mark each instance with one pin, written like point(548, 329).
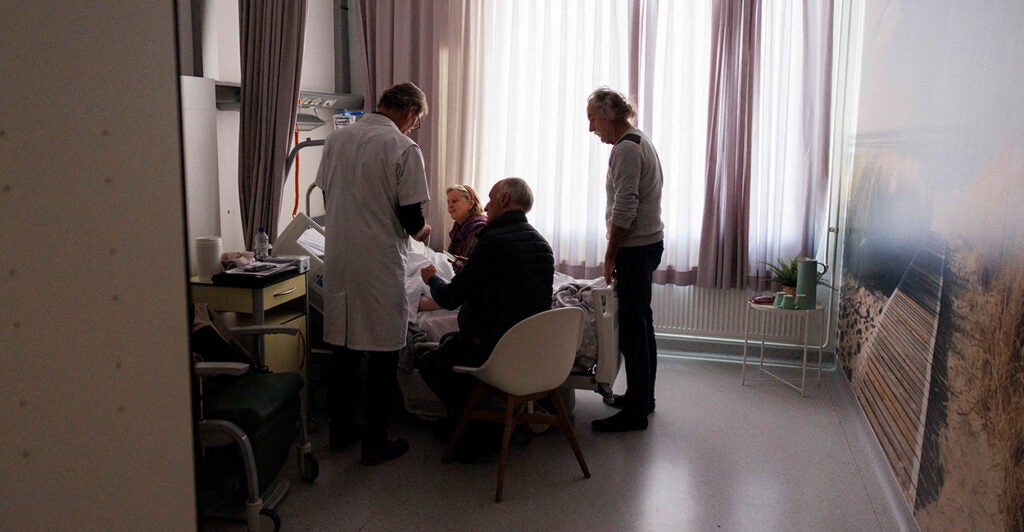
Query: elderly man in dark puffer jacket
point(506, 279)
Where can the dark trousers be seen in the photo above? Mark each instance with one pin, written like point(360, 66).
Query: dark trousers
point(345, 391)
point(451, 388)
point(634, 268)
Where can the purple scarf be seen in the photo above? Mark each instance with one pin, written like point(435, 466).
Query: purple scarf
point(463, 236)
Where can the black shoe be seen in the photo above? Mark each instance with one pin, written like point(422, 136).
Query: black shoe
point(390, 450)
point(621, 422)
point(343, 435)
point(620, 401)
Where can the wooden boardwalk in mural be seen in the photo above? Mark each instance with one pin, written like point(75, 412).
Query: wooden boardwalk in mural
point(893, 381)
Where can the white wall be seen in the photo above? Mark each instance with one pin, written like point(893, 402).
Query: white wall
point(199, 135)
point(221, 62)
point(95, 415)
point(318, 74)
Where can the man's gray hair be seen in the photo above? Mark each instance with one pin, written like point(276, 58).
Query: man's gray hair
point(404, 97)
point(519, 192)
point(612, 105)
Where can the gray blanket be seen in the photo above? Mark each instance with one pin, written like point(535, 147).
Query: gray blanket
point(579, 293)
point(567, 292)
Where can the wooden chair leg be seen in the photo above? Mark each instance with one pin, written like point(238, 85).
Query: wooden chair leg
point(474, 398)
point(511, 413)
point(566, 426)
point(513, 408)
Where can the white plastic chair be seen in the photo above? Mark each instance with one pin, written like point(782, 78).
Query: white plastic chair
point(530, 362)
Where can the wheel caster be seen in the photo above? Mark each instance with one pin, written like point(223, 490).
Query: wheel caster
point(273, 517)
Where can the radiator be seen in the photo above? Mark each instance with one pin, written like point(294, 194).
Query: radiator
point(716, 314)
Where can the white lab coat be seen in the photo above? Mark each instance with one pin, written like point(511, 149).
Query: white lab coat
point(367, 170)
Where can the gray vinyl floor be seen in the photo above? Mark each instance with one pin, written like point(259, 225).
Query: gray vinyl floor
point(717, 456)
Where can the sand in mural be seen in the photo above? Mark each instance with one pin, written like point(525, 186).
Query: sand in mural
point(932, 331)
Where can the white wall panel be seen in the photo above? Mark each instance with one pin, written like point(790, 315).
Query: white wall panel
point(202, 186)
point(95, 411)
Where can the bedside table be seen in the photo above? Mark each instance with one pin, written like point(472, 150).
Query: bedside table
point(278, 300)
point(762, 312)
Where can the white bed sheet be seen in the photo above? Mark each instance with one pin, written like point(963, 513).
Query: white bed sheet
point(312, 240)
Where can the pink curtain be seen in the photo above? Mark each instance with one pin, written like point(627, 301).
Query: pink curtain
point(791, 151)
point(768, 139)
point(272, 34)
point(397, 41)
point(432, 45)
point(394, 42)
point(735, 30)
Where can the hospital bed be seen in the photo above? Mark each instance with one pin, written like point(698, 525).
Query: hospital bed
point(598, 360)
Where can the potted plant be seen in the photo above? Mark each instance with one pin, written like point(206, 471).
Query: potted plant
point(785, 273)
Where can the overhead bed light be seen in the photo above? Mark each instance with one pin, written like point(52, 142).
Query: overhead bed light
point(229, 98)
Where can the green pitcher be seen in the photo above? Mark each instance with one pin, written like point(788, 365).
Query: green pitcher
point(807, 276)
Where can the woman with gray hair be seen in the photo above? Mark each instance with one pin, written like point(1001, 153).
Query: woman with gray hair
point(467, 212)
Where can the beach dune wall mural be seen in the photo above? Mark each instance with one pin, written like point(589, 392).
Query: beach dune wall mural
point(931, 328)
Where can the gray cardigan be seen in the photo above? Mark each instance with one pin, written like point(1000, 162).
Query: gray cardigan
point(634, 189)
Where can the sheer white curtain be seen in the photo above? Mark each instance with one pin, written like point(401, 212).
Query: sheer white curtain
point(789, 176)
point(539, 61)
point(508, 82)
point(673, 86)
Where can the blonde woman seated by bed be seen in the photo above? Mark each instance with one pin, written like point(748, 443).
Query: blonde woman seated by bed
point(467, 212)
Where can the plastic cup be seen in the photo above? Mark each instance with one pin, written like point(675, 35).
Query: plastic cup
point(208, 252)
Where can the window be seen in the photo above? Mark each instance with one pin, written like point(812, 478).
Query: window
point(539, 61)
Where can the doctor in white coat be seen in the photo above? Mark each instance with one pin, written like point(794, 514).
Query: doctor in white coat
point(374, 183)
